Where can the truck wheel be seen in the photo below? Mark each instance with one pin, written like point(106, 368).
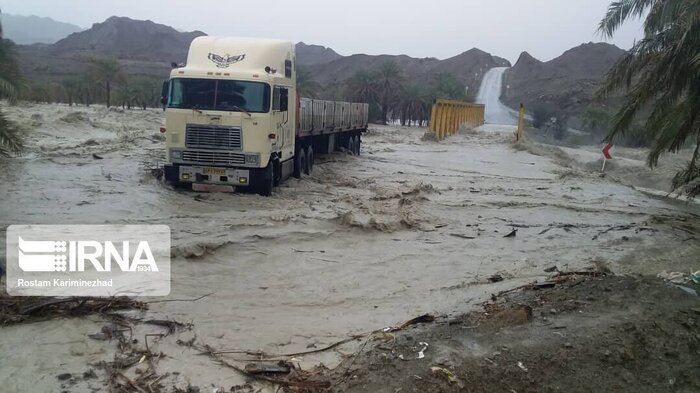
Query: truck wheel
point(358, 144)
point(268, 181)
point(351, 146)
point(299, 163)
point(309, 160)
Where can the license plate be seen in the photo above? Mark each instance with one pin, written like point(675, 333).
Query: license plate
point(215, 171)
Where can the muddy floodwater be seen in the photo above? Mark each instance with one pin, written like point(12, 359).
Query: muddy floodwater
point(409, 227)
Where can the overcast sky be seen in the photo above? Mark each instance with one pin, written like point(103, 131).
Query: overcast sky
point(427, 28)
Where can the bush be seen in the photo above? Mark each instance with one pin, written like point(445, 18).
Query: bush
point(541, 114)
point(559, 127)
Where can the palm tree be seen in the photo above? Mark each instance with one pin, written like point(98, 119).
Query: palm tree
point(71, 86)
point(11, 79)
point(413, 104)
point(362, 87)
point(445, 85)
point(106, 70)
point(11, 141)
point(390, 78)
point(661, 73)
point(306, 85)
point(146, 92)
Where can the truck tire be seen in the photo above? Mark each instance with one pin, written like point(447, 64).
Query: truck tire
point(299, 163)
point(268, 181)
point(351, 146)
point(358, 144)
point(309, 160)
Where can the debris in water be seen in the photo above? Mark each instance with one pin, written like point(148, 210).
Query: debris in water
point(544, 285)
point(97, 157)
point(445, 373)
point(261, 368)
point(512, 233)
point(522, 366)
point(64, 376)
point(695, 277)
point(551, 269)
point(15, 309)
point(674, 277)
point(496, 278)
point(690, 291)
point(461, 236)
point(421, 353)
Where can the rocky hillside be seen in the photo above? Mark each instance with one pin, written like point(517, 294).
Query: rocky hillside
point(468, 67)
point(32, 29)
point(129, 39)
point(148, 48)
point(144, 47)
point(314, 54)
point(565, 84)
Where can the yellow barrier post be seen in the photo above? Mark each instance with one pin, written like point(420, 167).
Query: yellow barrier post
point(519, 133)
point(443, 121)
point(458, 108)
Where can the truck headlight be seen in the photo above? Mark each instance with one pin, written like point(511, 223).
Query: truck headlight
point(176, 154)
point(252, 159)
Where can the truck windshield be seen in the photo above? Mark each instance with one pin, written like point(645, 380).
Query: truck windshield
point(220, 95)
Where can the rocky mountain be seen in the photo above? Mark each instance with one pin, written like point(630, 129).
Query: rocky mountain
point(148, 48)
point(564, 85)
point(314, 54)
point(468, 67)
point(32, 29)
point(129, 39)
point(143, 47)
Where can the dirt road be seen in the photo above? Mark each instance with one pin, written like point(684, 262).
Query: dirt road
point(407, 228)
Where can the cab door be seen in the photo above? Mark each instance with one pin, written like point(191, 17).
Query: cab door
point(281, 121)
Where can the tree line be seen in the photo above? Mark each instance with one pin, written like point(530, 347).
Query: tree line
point(389, 93)
point(105, 82)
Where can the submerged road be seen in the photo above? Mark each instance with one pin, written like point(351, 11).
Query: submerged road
point(489, 95)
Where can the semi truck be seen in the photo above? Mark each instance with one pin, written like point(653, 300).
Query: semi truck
point(233, 118)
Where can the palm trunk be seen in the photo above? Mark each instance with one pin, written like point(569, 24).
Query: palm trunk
point(108, 92)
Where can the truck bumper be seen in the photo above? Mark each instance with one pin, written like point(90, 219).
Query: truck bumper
point(203, 175)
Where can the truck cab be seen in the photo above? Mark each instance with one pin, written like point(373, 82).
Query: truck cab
point(230, 116)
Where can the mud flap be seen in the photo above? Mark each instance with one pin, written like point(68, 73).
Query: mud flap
point(171, 173)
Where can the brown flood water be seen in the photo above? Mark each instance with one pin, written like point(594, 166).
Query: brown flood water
point(363, 243)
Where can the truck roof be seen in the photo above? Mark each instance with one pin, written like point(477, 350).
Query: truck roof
point(236, 57)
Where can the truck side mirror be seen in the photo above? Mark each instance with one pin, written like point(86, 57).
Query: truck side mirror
point(164, 93)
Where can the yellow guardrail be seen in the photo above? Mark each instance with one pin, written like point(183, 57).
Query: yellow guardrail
point(447, 116)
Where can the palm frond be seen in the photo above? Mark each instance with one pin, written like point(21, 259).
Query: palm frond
point(619, 12)
point(11, 138)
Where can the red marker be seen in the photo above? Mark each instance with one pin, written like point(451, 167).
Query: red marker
point(606, 151)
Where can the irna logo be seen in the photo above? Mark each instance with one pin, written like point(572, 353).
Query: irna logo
point(79, 256)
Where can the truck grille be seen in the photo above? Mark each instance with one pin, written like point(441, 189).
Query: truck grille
point(224, 158)
point(213, 136)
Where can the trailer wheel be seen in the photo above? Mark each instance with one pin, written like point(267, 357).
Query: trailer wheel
point(299, 163)
point(351, 146)
point(268, 181)
point(309, 160)
point(358, 144)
